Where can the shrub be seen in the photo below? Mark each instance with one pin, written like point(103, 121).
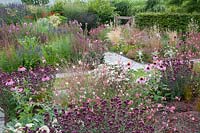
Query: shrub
point(123, 8)
point(165, 21)
point(103, 9)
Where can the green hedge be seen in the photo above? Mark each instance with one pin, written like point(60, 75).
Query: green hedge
point(166, 22)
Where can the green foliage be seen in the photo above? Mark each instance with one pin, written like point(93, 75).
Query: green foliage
point(103, 8)
point(58, 51)
point(35, 2)
point(188, 6)
point(123, 8)
point(29, 53)
point(8, 60)
point(165, 21)
point(155, 6)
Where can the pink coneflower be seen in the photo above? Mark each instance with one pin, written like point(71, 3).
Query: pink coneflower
point(141, 80)
point(129, 65)
point(21, 69)
point(10, 82)
point(147, 68)
point(161, 67)
point(155, 57)
point(13, 88)
point(45, 78)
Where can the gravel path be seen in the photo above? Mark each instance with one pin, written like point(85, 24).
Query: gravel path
point(1, 122)
point(110, 59)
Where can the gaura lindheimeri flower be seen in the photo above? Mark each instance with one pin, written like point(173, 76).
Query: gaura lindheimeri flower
point(141, 80)
point(45, 78)
point(9, 82)
point(21, 69)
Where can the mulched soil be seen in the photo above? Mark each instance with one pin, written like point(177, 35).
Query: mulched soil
point(185, 119)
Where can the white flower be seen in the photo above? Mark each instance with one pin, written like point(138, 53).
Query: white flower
point(29, 125)
point(18, 125)
point(44, 128)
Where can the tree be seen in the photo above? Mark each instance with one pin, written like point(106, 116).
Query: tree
point(35, 2)
point(188, 6)
point(155, 5)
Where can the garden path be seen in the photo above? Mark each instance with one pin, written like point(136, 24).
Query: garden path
point(111, 59)
point(1, 122)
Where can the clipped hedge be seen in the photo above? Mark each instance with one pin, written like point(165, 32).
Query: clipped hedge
point(166, 22)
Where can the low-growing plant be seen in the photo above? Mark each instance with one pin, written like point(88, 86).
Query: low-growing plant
point(99, 115)
point(23, 84)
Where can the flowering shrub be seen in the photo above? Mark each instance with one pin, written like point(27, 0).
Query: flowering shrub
point(99, 116)
point(36, 83)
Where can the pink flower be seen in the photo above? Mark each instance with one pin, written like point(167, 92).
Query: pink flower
point(21, 69)
point(45, 78)
point(141, 80)
point(10, 82)
point(172, 109)
point(147, 68)
point(20, 90)
point(161, 67)
point(13, 88)
point(30, 24)
point(130, 102)
point(160, 105)
point(155, 57)
point(137, 95)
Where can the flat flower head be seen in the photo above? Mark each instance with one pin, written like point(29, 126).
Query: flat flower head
point(9, 82)
point(45, 78)
point(21, 69)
